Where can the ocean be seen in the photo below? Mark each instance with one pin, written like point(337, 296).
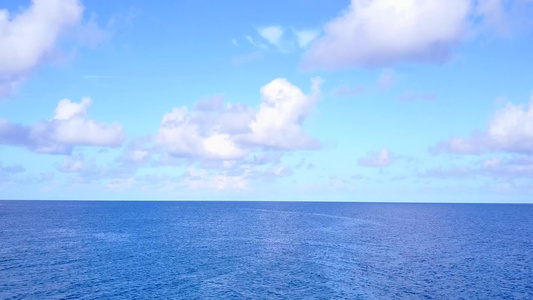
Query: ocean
point(264, 250)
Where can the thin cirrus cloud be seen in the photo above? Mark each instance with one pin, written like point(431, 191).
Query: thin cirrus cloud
point(272, 34)
point(384, 32)
point(254, 42)
point(509, 130)
point(305, 37)
point(39, 27)
point(69, 127)
point(233, 131)
point(378, 159)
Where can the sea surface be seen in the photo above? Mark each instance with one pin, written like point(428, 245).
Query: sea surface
point(264, 250)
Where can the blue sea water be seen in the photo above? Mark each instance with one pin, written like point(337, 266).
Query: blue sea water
point(264, 250)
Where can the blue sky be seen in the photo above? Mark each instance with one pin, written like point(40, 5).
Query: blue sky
point(415, 100)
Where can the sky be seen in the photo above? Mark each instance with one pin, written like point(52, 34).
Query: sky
point(368, 100)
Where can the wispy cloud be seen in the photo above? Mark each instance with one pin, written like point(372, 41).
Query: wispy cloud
point(254, 43)
point(272, 34)
point(69, 127)
point(379, 159)
point(305, 37)
point(509, 130)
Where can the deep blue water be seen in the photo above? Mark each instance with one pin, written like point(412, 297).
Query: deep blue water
point(264, 250)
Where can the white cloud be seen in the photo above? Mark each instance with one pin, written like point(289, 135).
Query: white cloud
point(66, 109)
point(178, 134)
point(510, 129)
point(383, 158)
point(272, 34)
point(280, 116)
point(28, 38)
point(70, 127)
point(232, 131)
point(222, 146)
point(304, 37)
point(383, 32)
point(228, 144)
point(181, 136)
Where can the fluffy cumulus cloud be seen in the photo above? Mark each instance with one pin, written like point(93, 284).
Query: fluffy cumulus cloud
point(509, 130)
point(228, 132)
point(28, 38)
point(284, 107)
point(512, 128)
point(379, 159)
point(181, 135)
point(383, 32)
point(69, 127)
